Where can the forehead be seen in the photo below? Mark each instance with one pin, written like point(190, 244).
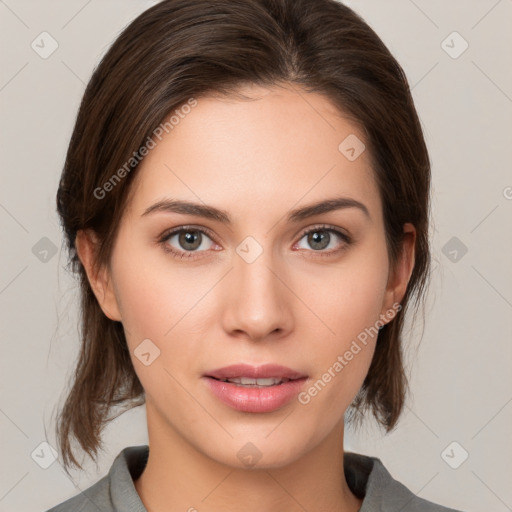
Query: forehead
point(278, 147)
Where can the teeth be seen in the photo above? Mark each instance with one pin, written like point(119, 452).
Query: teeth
point(248, 381)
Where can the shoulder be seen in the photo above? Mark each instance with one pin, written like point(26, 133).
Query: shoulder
point(368, 477)
point(96, 497)
point(116, 491)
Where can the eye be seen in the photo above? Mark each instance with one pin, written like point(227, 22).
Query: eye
point(184, 241)
point(320, 238)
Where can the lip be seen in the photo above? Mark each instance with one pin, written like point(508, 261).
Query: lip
point(255, 372)
point(254, 399)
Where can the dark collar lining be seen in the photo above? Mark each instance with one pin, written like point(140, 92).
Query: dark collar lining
point(357, 469)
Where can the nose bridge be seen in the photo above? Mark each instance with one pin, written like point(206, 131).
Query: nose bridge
point(258, 303)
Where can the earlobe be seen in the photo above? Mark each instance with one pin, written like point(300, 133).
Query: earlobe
point(99, 278)
point(401, 274)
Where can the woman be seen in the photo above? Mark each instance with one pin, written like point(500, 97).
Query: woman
point(245, 199)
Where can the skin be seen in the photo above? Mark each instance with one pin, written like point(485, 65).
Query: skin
point(257, 160)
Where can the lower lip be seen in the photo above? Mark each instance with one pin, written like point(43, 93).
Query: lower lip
point(253, 399)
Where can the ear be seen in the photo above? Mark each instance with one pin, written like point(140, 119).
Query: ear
point(401, 273)
point(99, 278)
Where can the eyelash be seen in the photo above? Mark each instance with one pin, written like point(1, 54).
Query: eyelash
point(164, 238)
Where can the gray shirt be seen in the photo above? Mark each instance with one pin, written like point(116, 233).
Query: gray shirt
point(366, 476)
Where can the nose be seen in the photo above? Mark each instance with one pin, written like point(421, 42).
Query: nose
point(258, 303)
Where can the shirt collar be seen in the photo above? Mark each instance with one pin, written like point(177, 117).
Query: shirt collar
point(366, 476)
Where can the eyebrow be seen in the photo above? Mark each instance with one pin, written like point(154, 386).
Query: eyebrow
point(210, 212)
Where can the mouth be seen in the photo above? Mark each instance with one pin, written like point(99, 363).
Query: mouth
point(255, 383)
point(255, 389)
point(263, 375)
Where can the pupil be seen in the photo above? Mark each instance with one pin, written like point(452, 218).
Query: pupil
point(190, 239)
point(316, 237)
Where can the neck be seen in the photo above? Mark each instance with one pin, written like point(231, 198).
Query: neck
point(178, 477)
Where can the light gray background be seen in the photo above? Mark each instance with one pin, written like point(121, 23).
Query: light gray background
point(460, 372)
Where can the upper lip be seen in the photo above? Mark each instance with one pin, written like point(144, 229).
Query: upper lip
point(255, 372)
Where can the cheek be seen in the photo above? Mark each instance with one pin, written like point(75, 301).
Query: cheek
point(165, 308)
point(349, 307)
point(166, 304)
point(153, 294)
point(146, 304)
point(347, 297)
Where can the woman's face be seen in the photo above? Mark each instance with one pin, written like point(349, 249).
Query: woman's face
point(256, 290)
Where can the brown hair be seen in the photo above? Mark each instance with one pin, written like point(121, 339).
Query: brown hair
point(180, 49)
